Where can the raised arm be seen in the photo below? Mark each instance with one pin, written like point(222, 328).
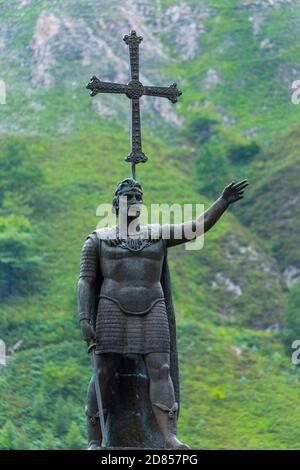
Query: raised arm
point(85, 289)
point(181, 233)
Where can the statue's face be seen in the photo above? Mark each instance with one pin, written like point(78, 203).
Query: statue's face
point(131, 201)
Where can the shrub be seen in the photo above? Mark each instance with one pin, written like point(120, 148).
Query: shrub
point(292, 317)
point(21, 174)
point(19, 263)
point(74, 439)
point(243, 153)
point(7, 436)
point(202, 128)
point(62, 415)
point(212, 167)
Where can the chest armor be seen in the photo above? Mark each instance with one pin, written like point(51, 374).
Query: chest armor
point(132, 272)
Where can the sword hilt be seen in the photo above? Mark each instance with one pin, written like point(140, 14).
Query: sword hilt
point(91, 346)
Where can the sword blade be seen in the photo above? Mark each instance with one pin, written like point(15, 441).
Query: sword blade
point(99, 399)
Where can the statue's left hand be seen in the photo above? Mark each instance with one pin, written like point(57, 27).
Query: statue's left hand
point(234, 191)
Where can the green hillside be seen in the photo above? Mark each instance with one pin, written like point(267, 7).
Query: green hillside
point(61, 155)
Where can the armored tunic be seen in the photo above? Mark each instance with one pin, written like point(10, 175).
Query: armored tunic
point(118, 332)
point(131, 313)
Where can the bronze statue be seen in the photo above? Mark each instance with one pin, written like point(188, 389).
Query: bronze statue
point(124, 294)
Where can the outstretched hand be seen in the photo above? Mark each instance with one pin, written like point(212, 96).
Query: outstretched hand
point(234, 191)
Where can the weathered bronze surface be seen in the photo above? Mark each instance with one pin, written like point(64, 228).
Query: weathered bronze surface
point(126, 311)
point(125, 304)
point(134, 90)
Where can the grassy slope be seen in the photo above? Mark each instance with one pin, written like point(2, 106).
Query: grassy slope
point(229, 401)
point(275, 212)
point(252, 89)
point(52, 357)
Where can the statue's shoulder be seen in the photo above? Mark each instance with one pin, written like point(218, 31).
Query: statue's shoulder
point(93, 240)
point(89, 248)
point(105, 233)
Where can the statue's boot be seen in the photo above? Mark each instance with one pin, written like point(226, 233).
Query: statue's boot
point(94, 431)
point(94, 445)
point(167, 422)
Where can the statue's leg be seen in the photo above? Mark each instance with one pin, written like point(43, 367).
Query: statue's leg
point(107, 365)
point(162, 398)
point(93, 424)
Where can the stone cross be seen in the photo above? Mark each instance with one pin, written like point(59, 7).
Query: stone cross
point(134, 90)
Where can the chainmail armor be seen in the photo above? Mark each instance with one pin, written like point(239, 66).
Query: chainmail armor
point(89, 262)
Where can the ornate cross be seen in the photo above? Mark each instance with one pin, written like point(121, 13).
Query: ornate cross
point(134, 90)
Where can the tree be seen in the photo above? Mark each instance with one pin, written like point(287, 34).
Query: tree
point(212, 167)
point(20, 441)
point(62, 415)
point(50, 442)
point(20, 170)
point(19, 263)
point(202, 128)
point(74, 440)
point(292, 317)
point(39, 408)
point(7, 436)
point(21, 179)
point(243, 153)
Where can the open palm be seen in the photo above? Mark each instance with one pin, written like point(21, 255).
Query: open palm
point(234, 191)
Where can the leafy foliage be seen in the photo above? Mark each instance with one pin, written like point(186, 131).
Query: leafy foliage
point(243, 153)
point(239, 389)
point(62, 415)
point(20, 185)
point(74, 439)
point(292, 317)
point(212, 161)
point(19, 263)
point(21, 176)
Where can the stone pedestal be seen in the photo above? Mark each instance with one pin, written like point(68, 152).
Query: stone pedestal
point(131, 422)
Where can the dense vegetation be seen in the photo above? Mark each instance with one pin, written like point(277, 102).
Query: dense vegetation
point(58, 162)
